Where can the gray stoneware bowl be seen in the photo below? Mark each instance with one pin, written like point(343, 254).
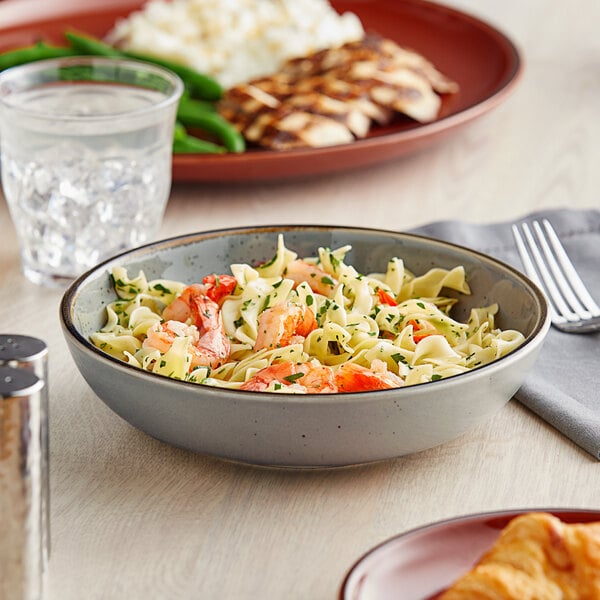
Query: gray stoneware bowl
point(310, 430)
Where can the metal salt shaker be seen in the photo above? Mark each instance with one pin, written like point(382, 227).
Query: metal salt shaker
point(24, 476)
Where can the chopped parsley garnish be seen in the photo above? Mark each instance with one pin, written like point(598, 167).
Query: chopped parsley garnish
point(269, 263)
point(159, 287)
point(266, 303)
point(399, 358)
point(294, 377)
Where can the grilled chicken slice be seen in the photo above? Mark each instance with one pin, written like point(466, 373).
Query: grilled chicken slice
point(278, 85)
point(349, 92)
point(332, 96)
point(392, 55)
point(398, 88)
point(284, 87)
point(420, 65)
point(286, 128)
point(320, 104)
point(373, 48)
point(241, 105)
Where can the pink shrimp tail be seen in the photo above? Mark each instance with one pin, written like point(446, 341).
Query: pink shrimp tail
point(213, 347)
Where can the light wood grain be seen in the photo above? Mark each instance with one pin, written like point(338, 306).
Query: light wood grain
point(135, 519)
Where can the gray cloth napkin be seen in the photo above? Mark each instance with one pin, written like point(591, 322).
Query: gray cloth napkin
point(564, 386)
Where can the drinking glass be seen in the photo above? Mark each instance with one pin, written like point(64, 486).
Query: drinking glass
point(86, 149)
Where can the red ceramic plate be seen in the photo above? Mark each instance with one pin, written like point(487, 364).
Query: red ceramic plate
point(482, 60)
point(420, 564)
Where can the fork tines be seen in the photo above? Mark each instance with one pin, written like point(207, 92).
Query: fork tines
point(547, 263)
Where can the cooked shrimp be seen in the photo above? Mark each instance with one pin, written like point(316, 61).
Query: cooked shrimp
point(309, 377)
point(183, 307)
point(215, 287)
point(219, 286)
point(161, 335)
point(351, 377)
point(319, 281)
point(284, 324)
point(210, 346)
point(213, 346)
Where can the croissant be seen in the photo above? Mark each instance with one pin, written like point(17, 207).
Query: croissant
point(536, 557)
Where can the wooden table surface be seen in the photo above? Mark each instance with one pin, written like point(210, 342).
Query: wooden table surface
point(133, 518)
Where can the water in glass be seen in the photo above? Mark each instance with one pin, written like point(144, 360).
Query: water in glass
point(79, 194)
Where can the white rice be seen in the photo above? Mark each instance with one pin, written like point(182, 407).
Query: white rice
point(235, 40)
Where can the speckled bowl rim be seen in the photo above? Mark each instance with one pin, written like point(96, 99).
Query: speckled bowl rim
point(71, 294)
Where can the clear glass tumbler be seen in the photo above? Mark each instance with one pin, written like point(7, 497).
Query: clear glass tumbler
point(86, 159)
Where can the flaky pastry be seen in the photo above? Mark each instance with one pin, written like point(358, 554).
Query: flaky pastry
point(536, 557)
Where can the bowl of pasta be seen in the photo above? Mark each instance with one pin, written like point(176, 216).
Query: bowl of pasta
point(304, 346)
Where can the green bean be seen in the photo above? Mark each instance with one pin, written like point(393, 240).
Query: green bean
point(188, 144)
point(199, 85)
point(39, 51)
point(199, 104)
point(193, 145)
point(192, 114)
point(85, 44)
point(179, 131)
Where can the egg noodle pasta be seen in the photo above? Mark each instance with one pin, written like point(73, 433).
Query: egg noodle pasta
point(301, 326)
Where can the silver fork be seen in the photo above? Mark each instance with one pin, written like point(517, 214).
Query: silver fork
point(572, 309)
